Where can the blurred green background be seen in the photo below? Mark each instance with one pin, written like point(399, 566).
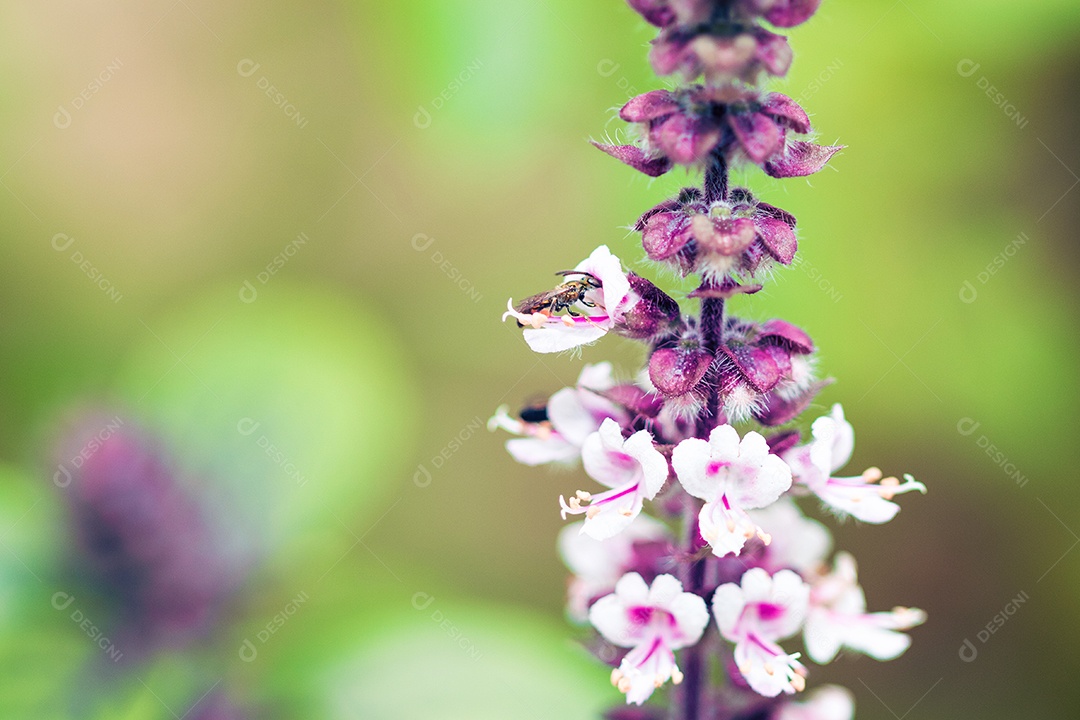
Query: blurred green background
point(310, 217)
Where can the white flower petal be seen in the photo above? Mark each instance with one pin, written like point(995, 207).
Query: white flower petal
point(597, 377)
point(767, 672)
point(877, 642)
point(608, 615)
point(798, 542)
point(757, 586)
point(632, 590)
point(691, 617)
point(821, 637)
point(612, 518)
point(754, 449)
point(763, 486)
point(570, 417)
point(665, 588)
point(557, 337)
point(827, 702)
point(691, 458)
point(843, 443)
point(607, 268)
point(728, 603)
point(539, 451)
point(726, 530)
point(654, 466)
point(724, 440)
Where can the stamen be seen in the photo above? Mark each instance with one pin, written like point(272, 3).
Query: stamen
point(872, 474)
point(582, 495)
point(891, 483)
point(624, 685)
point(676, 677)
point(765, 537)
point(798, 682)
point(592, 512)
point(616, 676)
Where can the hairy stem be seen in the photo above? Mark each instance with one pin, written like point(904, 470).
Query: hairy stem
point(716, 178)
point(691, 694)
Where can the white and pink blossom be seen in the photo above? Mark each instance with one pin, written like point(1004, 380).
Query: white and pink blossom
point(573, 414)
point(652, 621)
point(732, 476)
point(866, 497)
point(837, 618)
point(598, 564)
point(828, 702)
point(757, 613)
point(633, 469)
point(606, 308)
point(798, 543)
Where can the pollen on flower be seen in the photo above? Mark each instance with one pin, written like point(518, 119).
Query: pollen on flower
point(872, 474)
point(616, 676)
point(583, 496)
point(676, 676)
point(887, 486)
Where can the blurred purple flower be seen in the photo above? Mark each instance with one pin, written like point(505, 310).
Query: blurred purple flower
point(141, 537)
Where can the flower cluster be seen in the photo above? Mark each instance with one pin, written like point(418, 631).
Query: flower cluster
point(693, 558)
point(780, 586)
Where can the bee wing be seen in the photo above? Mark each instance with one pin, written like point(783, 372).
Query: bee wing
point(534, 302)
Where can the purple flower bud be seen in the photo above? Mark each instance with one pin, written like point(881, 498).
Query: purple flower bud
point(799, 159)
point(676, 371)
point(781, 442)
point(653, 314)
point(141, 537)
point(787, 335)
point(724, 237)
point(727, 288)
point(686, 126)
point(657, 12)
point(787, 13)
point(776, 410)
point(756, 365)
point(720, 58)
point(637, 402)
point(637, 158)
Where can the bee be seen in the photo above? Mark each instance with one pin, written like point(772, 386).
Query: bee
point(562, 297)
point(534, 411)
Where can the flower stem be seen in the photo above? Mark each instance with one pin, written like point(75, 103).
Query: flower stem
point(716, 178)
point(688, 697)
point(691, 693)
